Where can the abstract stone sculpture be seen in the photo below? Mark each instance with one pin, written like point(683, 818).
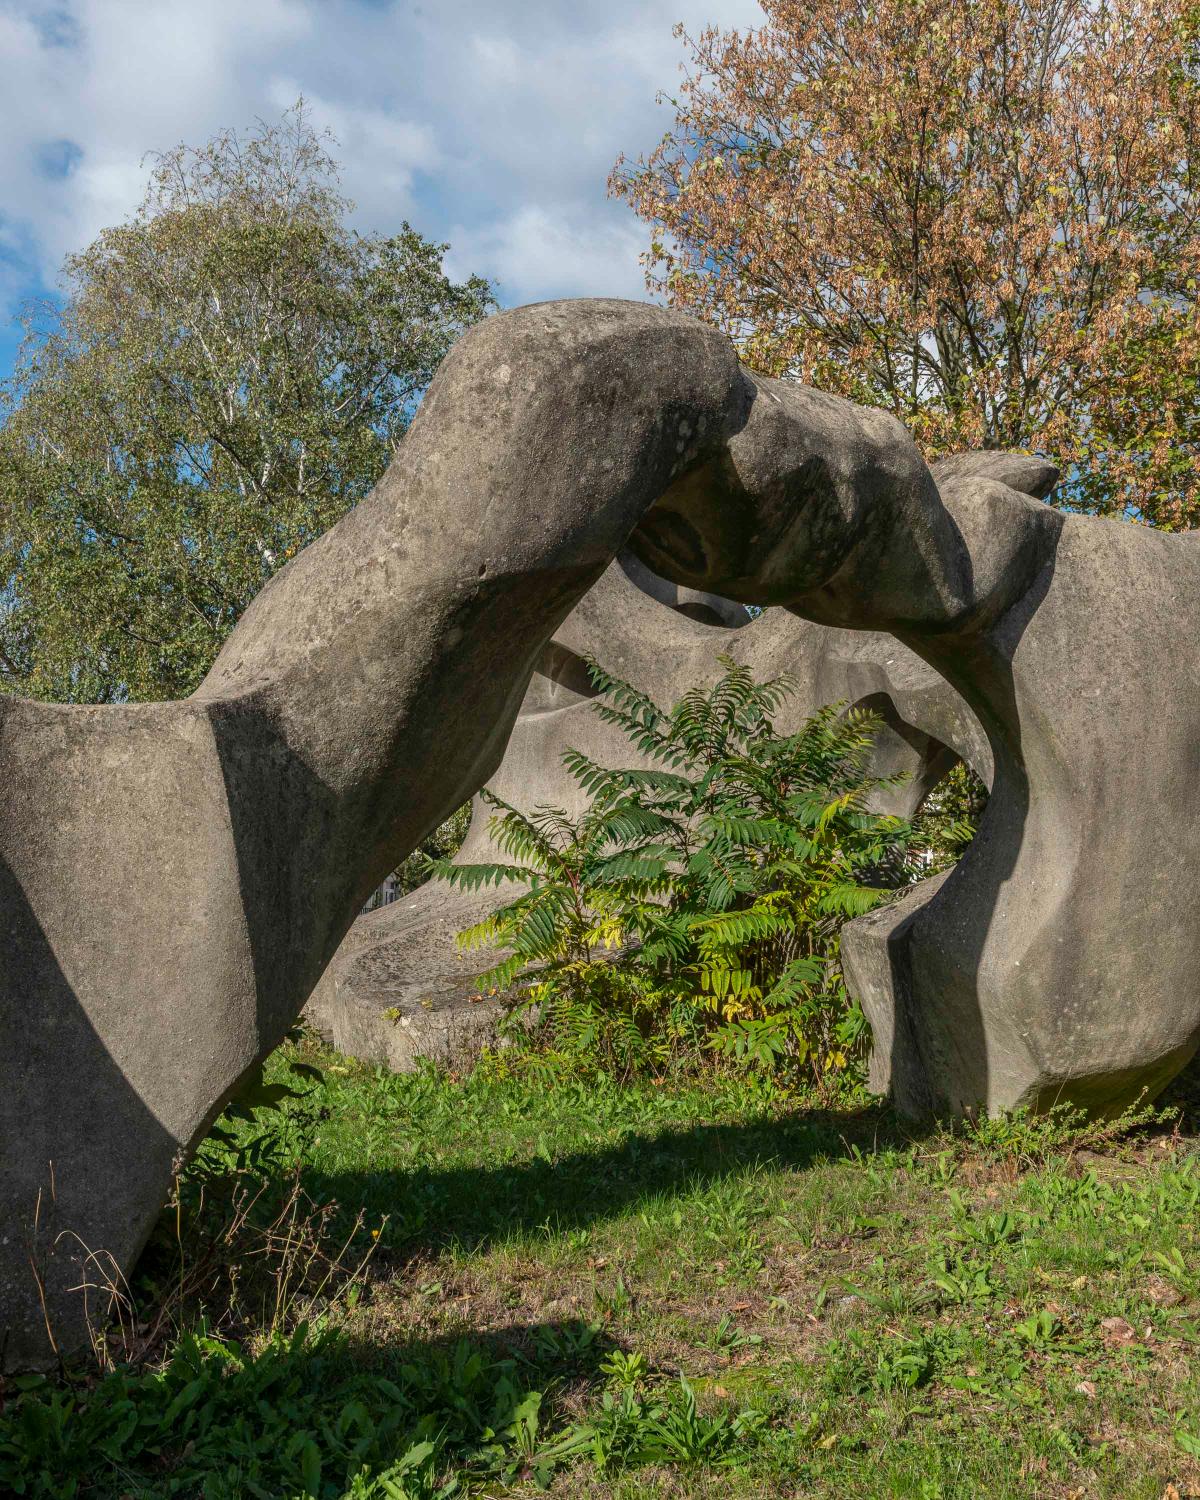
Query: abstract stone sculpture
point(175, 877)
point(1058, 960)
point(397, 989)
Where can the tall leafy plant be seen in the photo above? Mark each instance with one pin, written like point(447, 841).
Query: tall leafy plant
point(695, 906)
point(947, 823)
point(229, 372)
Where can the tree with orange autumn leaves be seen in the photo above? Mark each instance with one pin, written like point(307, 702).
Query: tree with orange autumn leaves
point(983, 215)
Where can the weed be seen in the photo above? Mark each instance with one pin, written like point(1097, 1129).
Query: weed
point(466, 1358)
point(668, 1428)
point(1039, 1330)
point(961, 1281)
point(625, 1372)
point(691, 913)
point(1025, 1138)
point(726, 1337)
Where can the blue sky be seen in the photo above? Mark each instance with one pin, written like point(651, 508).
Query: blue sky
point(489, 123)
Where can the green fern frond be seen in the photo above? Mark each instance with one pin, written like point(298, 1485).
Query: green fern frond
point(697, 900)
point(502, 977)
point(477, 877)
point(847, 899)
point(485, 933)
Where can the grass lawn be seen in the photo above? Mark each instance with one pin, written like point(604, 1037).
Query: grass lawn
point(595, 1290)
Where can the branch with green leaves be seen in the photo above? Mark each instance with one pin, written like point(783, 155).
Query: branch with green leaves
point(693, 909)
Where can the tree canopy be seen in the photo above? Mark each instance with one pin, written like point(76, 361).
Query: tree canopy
point(230, 371)
point(983, 216)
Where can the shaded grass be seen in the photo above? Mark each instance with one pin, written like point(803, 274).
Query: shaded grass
point(686, 1292)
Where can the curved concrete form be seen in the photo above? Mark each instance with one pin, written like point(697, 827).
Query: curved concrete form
point(397, 989)
point(1058, 960)
point(175, 877)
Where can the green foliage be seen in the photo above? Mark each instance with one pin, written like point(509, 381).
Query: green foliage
point(242, 1246)
point(1025, 1136)
point(232, 371)
point(825, 1364)
point(302, 1417)
point(443, 843)
point(947, 822)
point(696, 904)
point(630, 1431)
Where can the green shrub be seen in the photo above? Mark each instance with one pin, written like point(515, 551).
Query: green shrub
point(947, 822)
point(305, 1416)
point(695, 906)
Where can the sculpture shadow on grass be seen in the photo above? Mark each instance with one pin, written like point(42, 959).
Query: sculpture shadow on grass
point(307, 1415)
point(472, 1208)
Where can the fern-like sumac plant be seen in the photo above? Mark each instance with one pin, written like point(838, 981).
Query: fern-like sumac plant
point(694, 908)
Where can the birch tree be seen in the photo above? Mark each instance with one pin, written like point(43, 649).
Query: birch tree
point(228, 373)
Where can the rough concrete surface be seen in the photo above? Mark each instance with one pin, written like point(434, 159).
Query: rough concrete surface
point(1058, 960)
point(396, 990)
point(175, 877)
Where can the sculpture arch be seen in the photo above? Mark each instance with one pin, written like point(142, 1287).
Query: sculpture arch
point(174, 877)
point(397, 989)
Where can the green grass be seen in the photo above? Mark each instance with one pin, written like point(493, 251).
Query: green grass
point(666, 1291)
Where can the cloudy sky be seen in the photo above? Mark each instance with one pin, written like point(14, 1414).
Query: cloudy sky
point(489, 123)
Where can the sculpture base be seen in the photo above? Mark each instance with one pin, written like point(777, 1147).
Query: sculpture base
point(399, 991)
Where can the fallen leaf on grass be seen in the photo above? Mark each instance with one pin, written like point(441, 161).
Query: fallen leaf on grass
point(1116, 1332)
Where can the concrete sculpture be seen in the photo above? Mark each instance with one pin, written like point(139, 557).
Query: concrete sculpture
point(397, 989)
point(1058, 960)
point(174, 877)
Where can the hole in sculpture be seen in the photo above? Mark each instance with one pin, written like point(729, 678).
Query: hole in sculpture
point(946, 822)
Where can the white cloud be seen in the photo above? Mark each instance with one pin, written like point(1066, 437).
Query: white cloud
point(380, 152)
point(132, 76)
point(540, 252)
point(493, 123)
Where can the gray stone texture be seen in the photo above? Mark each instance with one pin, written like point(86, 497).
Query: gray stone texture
point(397, 989)
point(175, 877)
point(1058, 961)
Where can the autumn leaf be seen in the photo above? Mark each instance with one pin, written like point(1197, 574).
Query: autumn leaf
point(984, 218)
